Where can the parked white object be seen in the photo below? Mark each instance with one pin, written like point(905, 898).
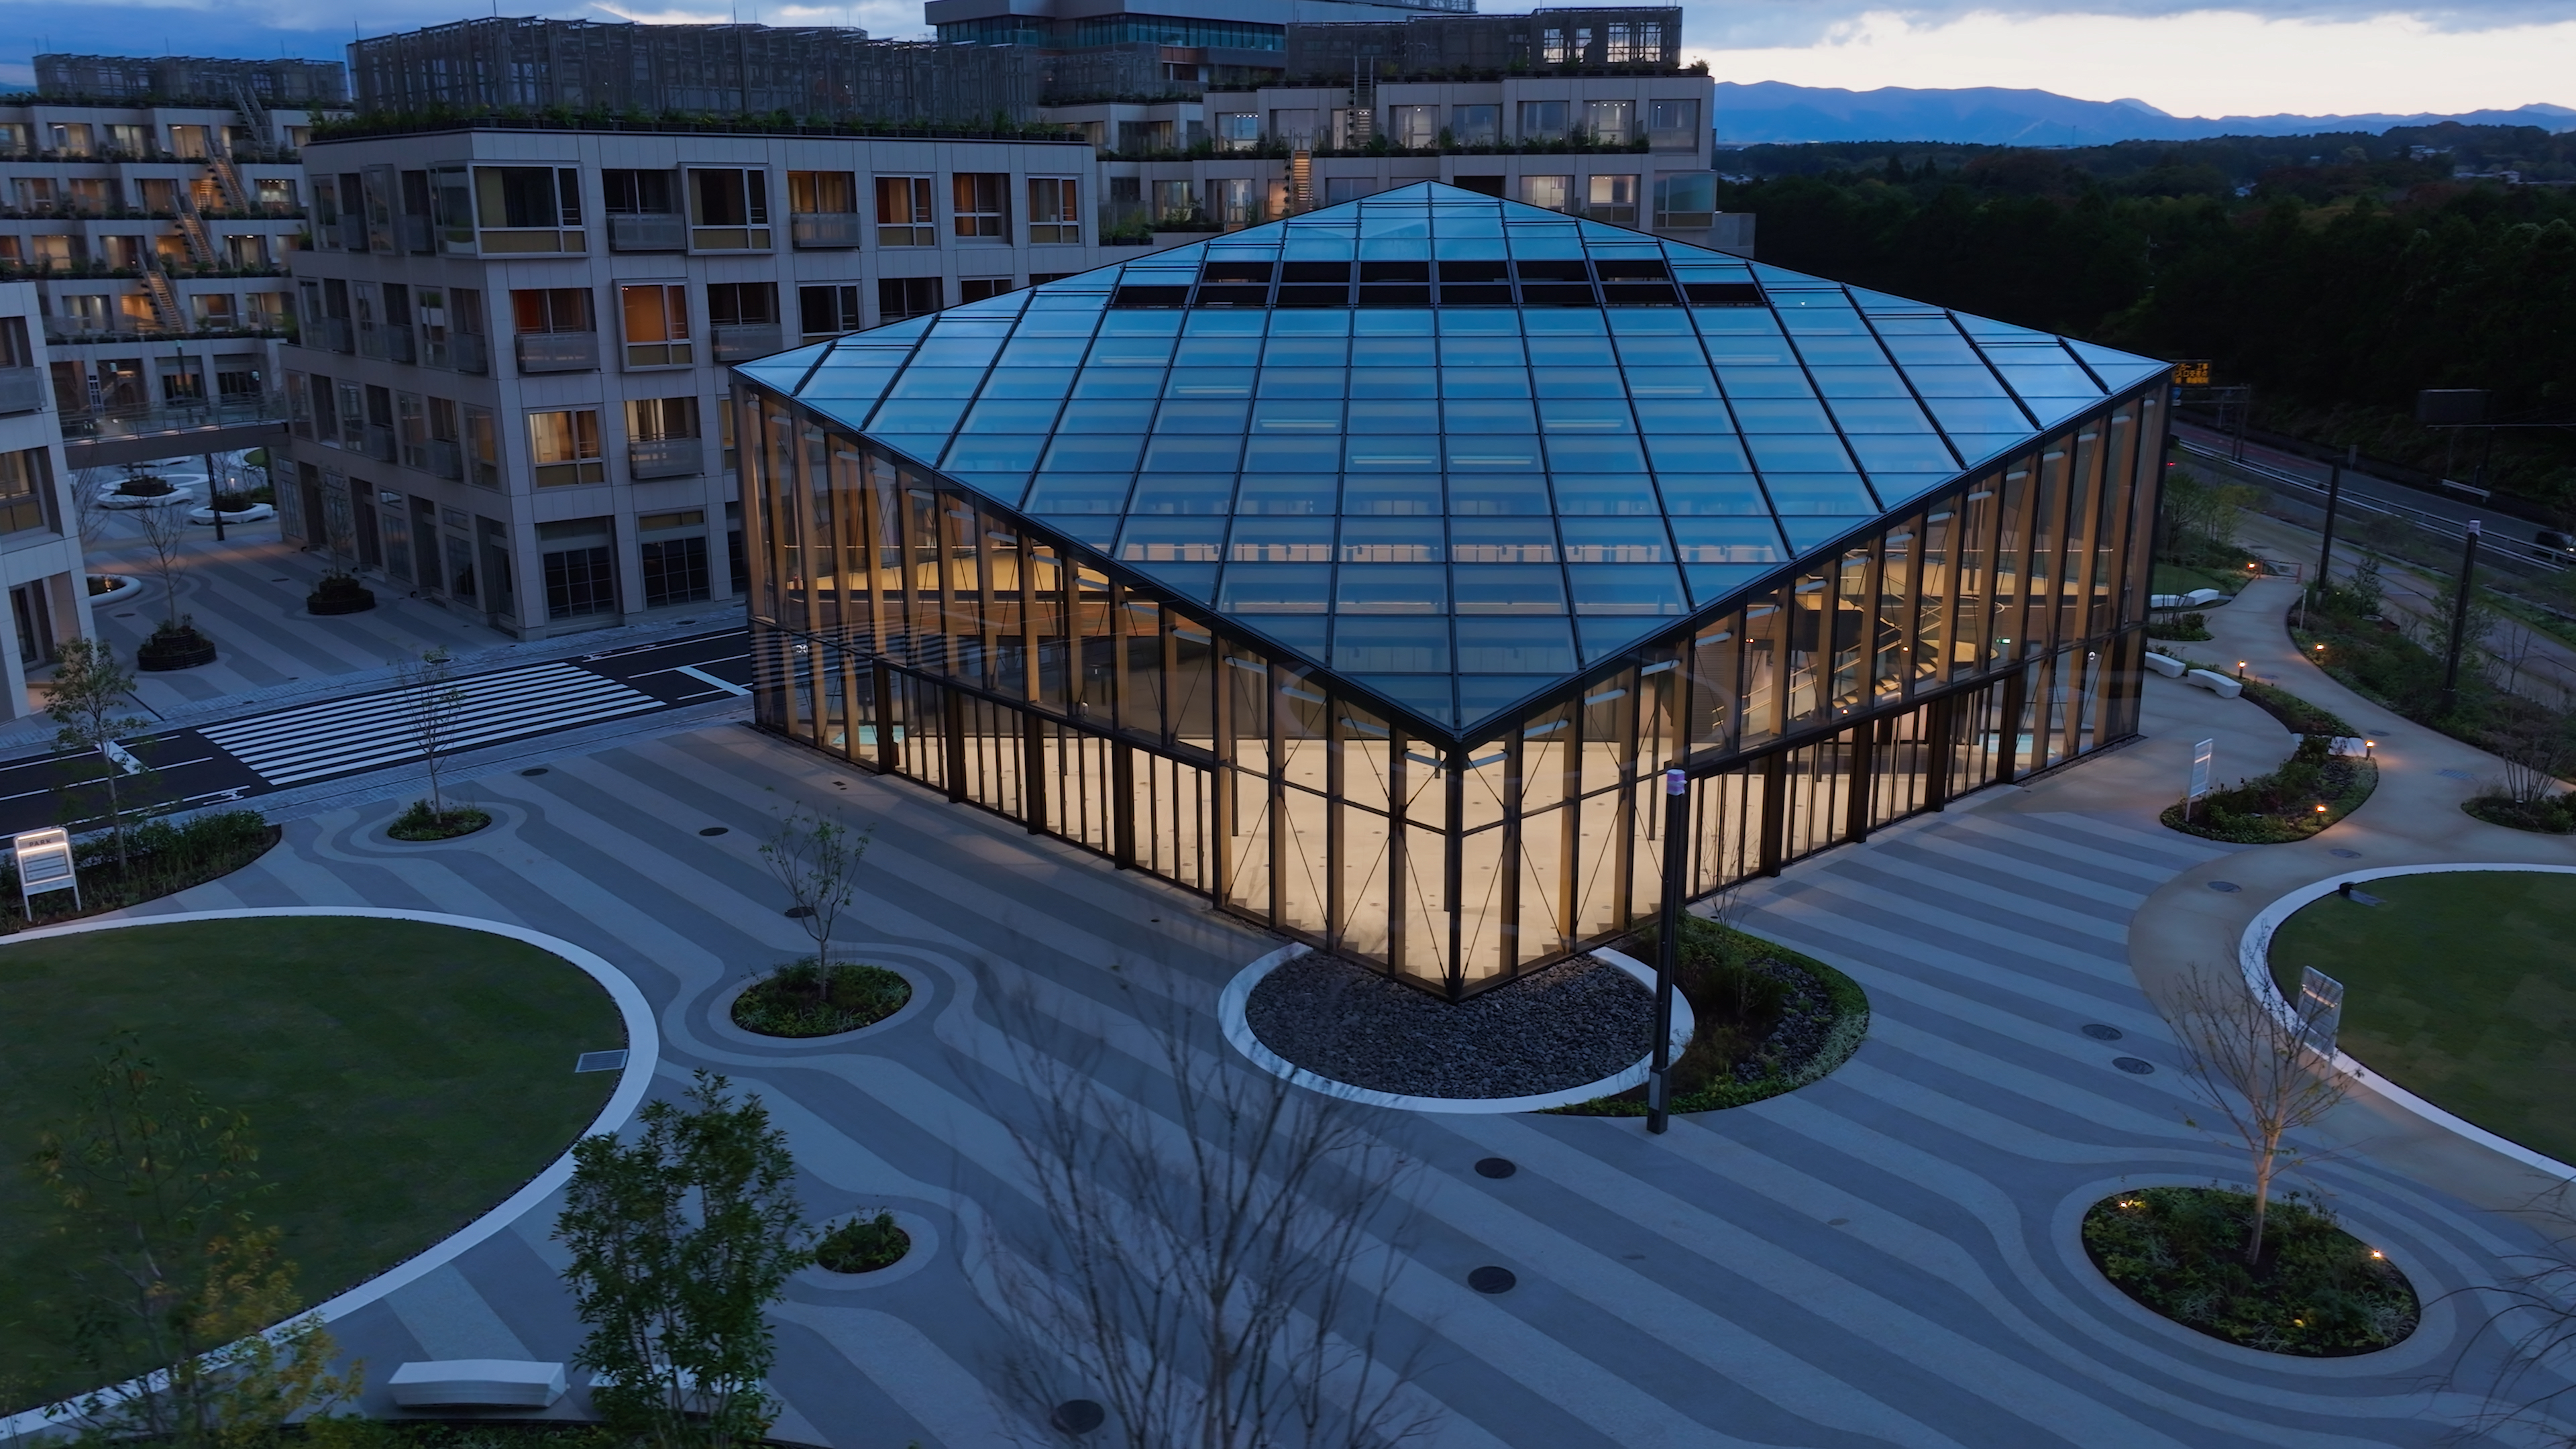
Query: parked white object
point(2164, 664)
point(481, 1383)
point(2216, 683)
point(2196, 599)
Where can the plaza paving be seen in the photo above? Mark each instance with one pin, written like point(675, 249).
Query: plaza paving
point(1889, 1257)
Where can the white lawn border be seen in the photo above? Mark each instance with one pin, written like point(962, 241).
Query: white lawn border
point(643, 1053)
point(1231, 1005)
point(2254, 958)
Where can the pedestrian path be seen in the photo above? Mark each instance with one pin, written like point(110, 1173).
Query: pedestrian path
point(1888, 1257)
point(320, 740)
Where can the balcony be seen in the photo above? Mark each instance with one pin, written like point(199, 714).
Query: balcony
point(379, 443)
point(742, 341)
point(666, 458)
point(460, 352)
point(389, 341)
point(558, 352)
point(413, 235)
point(529, 241)
point(827, 230)
point(22, 390)
point(353, 232)
point(646, 231)
point(333, 333)
point(446, 459)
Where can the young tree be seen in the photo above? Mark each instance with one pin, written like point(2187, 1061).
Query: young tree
point(87, 698)
point(1211, 1253)
point(430, 690)
point(155, 1185)
point(165, 532)
point(680, 1242)
point(816, 859)
point(2255, 1066)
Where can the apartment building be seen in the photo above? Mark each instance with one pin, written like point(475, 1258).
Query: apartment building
point(40, 555)
point(154, 204)
point(506, 391)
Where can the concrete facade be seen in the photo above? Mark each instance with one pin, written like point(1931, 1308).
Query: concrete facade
point(40, 550)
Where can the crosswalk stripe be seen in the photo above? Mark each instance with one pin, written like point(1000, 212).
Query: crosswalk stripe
point(296, 745)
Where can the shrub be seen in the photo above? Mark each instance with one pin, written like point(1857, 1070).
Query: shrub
point(2317, 1290)
point(161, 858)
point(2556, 816)
point(2281, 806)
point(863, 1245)
point(420, 822)
point(800, 999)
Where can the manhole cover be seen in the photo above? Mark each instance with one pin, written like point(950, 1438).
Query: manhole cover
point(2099, 1032)
point(1077, 1416)
point(2228, 886)
point(2346, 854)
point(539, 770)
point(1495, 1167)
point(2134, 1067)
point(2446, 774)
point(798, 913)
point(1490, 1279)
point(714, 830)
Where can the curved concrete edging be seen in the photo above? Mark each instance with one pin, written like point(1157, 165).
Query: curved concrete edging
point(1238, 1031)
point(2254, 958)
point(643, 1054)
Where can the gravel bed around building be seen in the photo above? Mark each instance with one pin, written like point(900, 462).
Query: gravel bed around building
point(1575, 1022)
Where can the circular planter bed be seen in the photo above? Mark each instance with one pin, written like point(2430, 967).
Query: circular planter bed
point(254, 513)
point(1769, 1021)
point(421, 823)
point(862, 1245)
point(2315, 1291)
point(104, 588)
point(801, 1000)
point(2541, 817)
point(1571, 1024)
point(2310, 791)
point(339, 594)
point(168, 649)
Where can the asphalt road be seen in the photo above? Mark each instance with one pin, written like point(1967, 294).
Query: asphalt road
point(332, 738)
point(2453, 510)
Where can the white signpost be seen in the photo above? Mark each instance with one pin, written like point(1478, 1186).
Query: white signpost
point(2201, 755)
point(121, 757)
point(45, 864)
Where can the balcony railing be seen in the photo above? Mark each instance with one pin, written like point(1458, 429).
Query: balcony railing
point(390, 341)
point(110, 423)
point(461, 352)
point(446, 459)
point(825, 230)
point(666, 457)
point(379, 443)
point(558, 352)
point(660, 231)
point(353, 231)
point(22, 389)
point(742, 341)
point(333, 333)
point(413, 235)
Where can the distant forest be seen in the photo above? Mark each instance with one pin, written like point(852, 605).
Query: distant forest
point(2337, 274)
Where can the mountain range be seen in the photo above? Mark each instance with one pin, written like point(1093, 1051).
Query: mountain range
point(1776, 112)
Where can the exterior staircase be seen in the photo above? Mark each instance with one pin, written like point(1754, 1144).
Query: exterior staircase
point(192, 226)
point(165, 300)
point(1301, 181)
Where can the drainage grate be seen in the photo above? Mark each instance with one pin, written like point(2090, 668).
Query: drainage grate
point(1495, 1167)
point(2345, 854)
point(1490, 1279)
point(601, 1061)
point(538, 770)
point(798, 913)
point(2228, 886)
point(2134, 1067)
point(2099, 1032)
point(714, 830)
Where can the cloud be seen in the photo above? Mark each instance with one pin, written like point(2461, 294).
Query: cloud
point(2193, 63)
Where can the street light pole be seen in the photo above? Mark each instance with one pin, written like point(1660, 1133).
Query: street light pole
point(214, 497)
point(2459, 620)
point(1668, 945)
point(2334, 499)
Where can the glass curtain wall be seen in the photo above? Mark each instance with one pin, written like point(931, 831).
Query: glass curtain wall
point(1990, 631)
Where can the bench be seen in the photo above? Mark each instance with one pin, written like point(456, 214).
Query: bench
point(478, 1383)
point(2165, 664)
point(2196, 599)
point(2216, 683)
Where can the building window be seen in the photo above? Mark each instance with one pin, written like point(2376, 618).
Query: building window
point(564, 448)
point(1551, 45)
point(1613, 199)
point(1611, 123)
point(1672, 125)
point(675, 569)
point(662, 438)
point(1542, 120)
point(903, 212)
point(653, 419)
point(1476, 125)
point(1415, 128)
point(1236, 130)
point(657, 324)
point(642, 214)
point(520, 208)
point(901, 297)
point(556, 332)
point(1055, 210)
point(981, 205)
point(1239, 202)
point(823, 208)
point(1176, 201)
point(976, 289)
point(26, 478)
point(1295, 128)
point(828, 311)
point(1552, 192)
point(580, 581)
point(744, 316)
point(729, 211)
point(483, 446)
point(411, 429)
point(1686, 201)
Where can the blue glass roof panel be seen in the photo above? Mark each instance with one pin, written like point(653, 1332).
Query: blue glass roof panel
point(1452, 503)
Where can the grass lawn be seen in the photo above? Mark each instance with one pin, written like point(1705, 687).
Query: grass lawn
point(2461, 989)
point(401, 1079)
point(2174, 578)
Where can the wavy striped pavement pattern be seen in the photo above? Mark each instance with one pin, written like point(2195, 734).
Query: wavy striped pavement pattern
point(1887, 1258)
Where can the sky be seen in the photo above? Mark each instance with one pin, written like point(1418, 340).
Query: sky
point(2259, 57)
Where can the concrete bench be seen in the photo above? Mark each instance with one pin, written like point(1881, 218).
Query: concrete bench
point(478, 1383)
point(2165, 664)
point(2216, 683)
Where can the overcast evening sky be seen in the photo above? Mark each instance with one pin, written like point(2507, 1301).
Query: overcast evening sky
point(2258, 58)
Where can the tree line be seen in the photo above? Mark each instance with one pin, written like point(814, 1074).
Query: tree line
point(2337, 275)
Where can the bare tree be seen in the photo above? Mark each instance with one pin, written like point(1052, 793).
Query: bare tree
point(430, 690)
point(87, 697)
point(165, 532)
point(2533, 1319)
point(1211, 1253)
point(2536, 753)
point(2254, 1064)
point(816, 858)
point(89, 487)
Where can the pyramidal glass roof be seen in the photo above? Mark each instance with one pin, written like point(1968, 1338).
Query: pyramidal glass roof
point(1452, 447)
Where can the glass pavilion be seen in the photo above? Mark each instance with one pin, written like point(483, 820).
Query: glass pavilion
point(1363, 570)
